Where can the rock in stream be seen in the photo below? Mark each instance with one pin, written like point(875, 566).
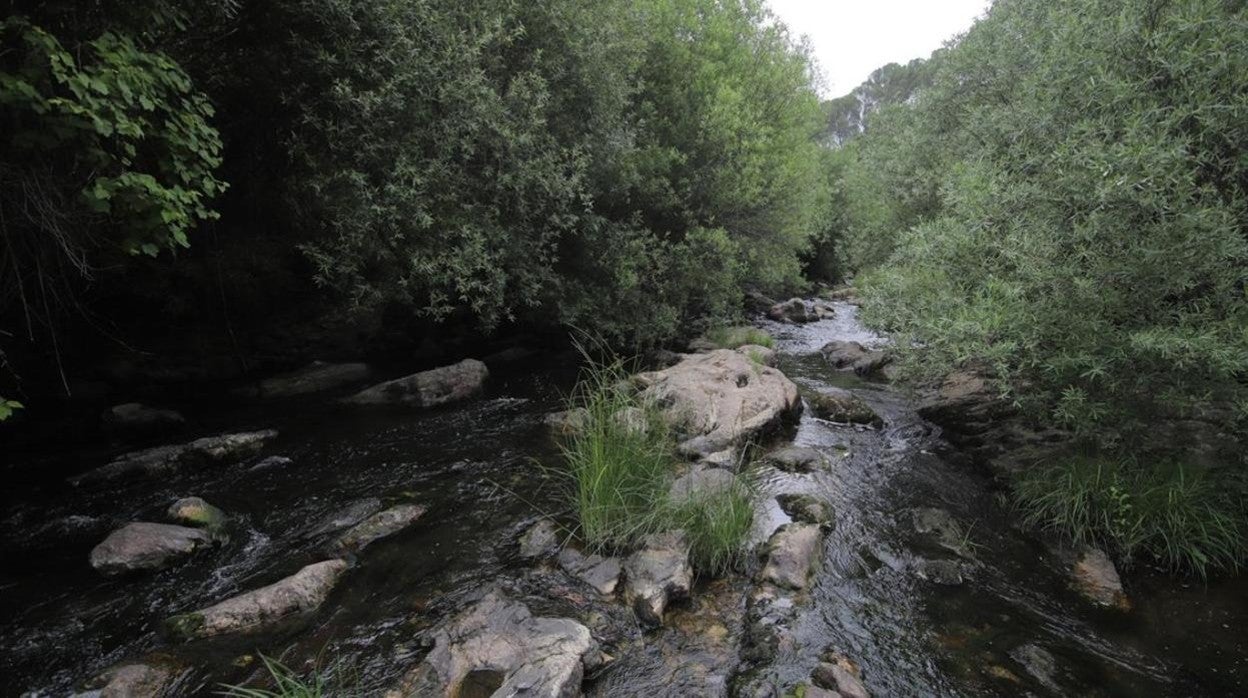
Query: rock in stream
point(430, 388)
point(166, 459)
point(146, 546)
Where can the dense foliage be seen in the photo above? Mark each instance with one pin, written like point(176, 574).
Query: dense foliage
point(1067, 205)
point(617, 166)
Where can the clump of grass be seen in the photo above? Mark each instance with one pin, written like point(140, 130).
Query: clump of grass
point(718, 526)
point(620, 458)
point(1179, 515)
point(732, 337)
point(290, 684)
point(621, 463)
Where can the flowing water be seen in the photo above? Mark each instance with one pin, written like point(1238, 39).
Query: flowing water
point(478, 468)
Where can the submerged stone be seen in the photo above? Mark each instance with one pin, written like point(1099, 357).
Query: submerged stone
point(374, 528)
point(431, 388)
point(136, 679)
point(165, 459)
point(540, 540)
point(838, 673)
point(805, 508)
point(316, 377)
point(838, 405)
point(946, 572)
point(348, 516)
point(601, 573)
point(796, 459)
point(138, 418)
point(1097, 579)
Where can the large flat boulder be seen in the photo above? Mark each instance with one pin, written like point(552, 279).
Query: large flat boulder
point(146, 546)
point(430, 388)
point(657, 574)
point(498, 648)
point(166, 459)
point(718, 400)
point(314, 378)
point(374, 528)
point(303, 591)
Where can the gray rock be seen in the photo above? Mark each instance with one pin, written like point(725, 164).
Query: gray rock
point(796, 459)
point(838, 673)
point(166, 459)
point(567, 422)
point(657, 575)
point(314, 378)
point(270, 463)
point(193, 511)
point(843, 354)
point(1097, 579)
point(805, 508)
point(136, 680)
point(498, 648)
point(542, 539)
point(792, 553)
point(348, 516)
point(139, 418)
point(145, 546)
point(701, 483)
point(374, 528)
point(946, 572)
point(718, 400)
point(793, 310)
point(940, 526)
point(838, 405)
point(303, 591)
point(438, 386)
point(602, 573)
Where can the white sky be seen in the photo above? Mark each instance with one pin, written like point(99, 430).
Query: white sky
point(851, 38)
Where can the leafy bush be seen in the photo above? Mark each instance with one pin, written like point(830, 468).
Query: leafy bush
point(1071, 208)
point(1181, 516)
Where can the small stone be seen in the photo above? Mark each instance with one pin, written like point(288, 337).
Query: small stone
point(658, 574)
point(270, 463)
point(838, 405)
point(805, 508)
point(602, 573)
point(1040, 663)
point(838, 673)
point(1097, 579)
point(193, 511)
point(796, 459)
point(946, 572)
point(540, 540)
point(792, 553)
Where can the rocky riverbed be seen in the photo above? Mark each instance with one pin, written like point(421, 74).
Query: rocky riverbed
point(409, 539)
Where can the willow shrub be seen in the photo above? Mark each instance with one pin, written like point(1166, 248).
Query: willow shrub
point(1090, 238)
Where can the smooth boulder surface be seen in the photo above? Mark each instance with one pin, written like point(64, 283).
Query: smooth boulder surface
point(839, 405)
point(194, 511)
point(1097, 579)
point(145, 546)
point(303, 591)
point(498, 648)
point(166, 459)
point(374, 528)
point(718, 400)
point(316, 377)
point(791, 555)
point(657, 575)
point(138, 418)
point(430, 388)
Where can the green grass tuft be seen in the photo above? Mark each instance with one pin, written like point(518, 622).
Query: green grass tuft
point(289, 684)
point(1179, 515)
point(621, 462)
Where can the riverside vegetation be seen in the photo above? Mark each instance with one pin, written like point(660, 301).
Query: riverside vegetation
point(1056, 202)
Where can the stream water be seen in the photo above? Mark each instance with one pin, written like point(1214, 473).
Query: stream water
point(482, 469)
